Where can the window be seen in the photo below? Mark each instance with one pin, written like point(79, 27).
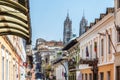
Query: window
point(73, 76)
point(46, 60)
point(82, 53)
point(95, 48)
point(109, 44)
point(7, 70)
point(14, 73)
point(7, 66)
point(68, 32)
point(2, 51)
point(2, 68)
point(82, 76)
point(85, 76)
point(118, 32)
point(90, 76)
point(68, 39)
point(102, 47)
point(118, 72)
point(108, 75)
point(91, 51)
point(118, 3)
point(87, 52)
point(101, 76)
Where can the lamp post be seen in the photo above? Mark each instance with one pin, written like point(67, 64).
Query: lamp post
point(65, 74)
point(95, 69)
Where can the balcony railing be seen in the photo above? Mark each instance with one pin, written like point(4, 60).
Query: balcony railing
point(72, 64)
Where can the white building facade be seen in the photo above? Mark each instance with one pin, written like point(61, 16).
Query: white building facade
point(100, 40)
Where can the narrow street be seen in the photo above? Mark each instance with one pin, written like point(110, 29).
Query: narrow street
point(39, 40)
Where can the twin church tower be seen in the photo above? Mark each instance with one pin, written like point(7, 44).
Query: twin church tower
point(67, 33)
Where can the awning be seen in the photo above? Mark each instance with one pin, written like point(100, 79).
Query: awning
point(58, 60)
point(70, 44)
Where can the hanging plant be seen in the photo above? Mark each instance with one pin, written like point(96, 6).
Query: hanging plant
point(59, 53)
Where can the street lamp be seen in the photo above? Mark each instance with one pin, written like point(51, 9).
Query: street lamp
point(65, 74)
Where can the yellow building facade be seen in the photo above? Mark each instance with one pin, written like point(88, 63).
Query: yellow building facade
point(105, 70)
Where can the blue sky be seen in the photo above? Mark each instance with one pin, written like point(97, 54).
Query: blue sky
point(47, 16)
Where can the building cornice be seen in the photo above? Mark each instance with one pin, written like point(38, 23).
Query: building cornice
point(109, 17)
point(12, 47)
point(70, 44)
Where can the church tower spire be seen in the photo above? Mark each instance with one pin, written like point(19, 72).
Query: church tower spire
point(67, 32)
point(83, 14)
point(83, 25)
point(67, 13)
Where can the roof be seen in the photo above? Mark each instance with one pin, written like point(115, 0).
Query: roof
point(70, 44)
point(59, 60)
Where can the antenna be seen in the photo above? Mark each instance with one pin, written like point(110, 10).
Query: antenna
point(67, 12)
point(83, 13)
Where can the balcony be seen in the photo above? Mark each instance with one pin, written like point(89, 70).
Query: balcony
point(14, 19)
point(72, 64)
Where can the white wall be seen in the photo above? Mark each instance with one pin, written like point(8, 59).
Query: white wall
point(91, 36)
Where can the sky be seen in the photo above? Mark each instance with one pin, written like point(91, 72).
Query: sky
point(48, 16)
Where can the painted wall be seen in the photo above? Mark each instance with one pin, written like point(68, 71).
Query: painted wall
point(60, 70)
point(12, 60)
point(88, 40)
